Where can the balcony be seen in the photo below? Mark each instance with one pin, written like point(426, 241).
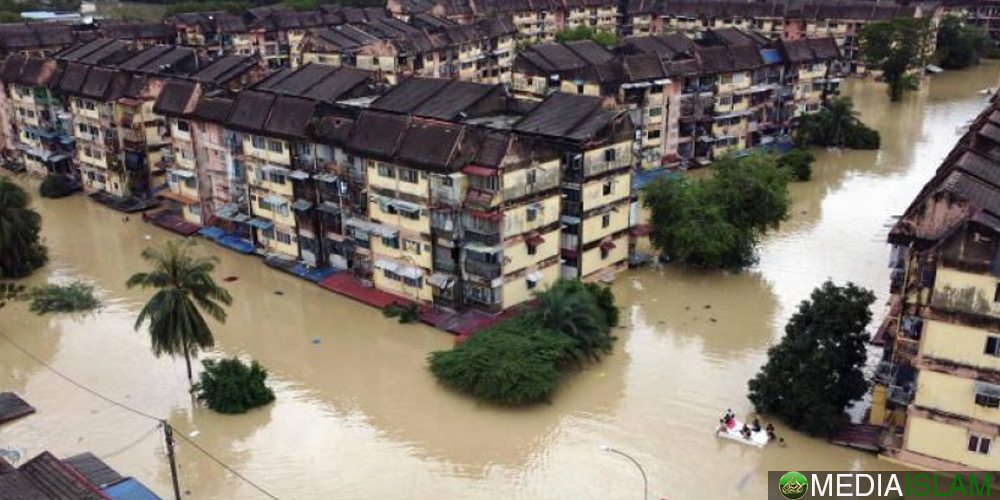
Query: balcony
point(900, 395)
point(544, 181)
point(592, 168)
point(487, 270)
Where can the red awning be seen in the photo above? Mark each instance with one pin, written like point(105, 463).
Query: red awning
point(486, 215)
point(478, 171)
point(534, 239)
point(608, 245)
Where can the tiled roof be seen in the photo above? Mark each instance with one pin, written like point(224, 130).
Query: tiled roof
point(225, 69)
point(439, 98)
point(178, 97)
point(566, 116)
point(93, 469)
point(809, 49)
point(377, 133)
point(318, 82)
point(45, 477)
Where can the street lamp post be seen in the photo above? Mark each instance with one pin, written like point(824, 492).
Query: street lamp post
point(645, 480)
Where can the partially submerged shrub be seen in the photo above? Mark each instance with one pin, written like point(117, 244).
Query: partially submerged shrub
point(74, 297)
point(406, 314)
point(57, 186)
point(231, 386)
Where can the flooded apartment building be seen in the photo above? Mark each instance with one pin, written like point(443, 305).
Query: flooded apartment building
point(439, 191)
point(482, 51)
point(730, 91)
point(937, 390)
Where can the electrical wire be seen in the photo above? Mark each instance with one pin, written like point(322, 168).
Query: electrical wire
point(160, 422)
point(129, 446)
point(223, 465)
point(74, 382)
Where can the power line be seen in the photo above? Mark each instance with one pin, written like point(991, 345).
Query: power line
point(224, 466)
point(129, 446)
point(74, 382)
point(160, 422)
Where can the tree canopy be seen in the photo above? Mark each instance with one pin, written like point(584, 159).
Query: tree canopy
point(798, 163)
point(21, 249)
point(605, 38)
point(897, 46)
point(836, 125)
point(232, 386)
point(960, 45)
point(815, 372)
point(717, 222)
point(184, 289)
point(520, 360)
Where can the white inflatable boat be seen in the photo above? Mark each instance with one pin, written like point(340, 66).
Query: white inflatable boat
point(758, 439)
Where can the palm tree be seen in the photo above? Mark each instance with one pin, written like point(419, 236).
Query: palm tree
point(21, 252)
point(185, 289)
point(841, 117)
point(569, 308)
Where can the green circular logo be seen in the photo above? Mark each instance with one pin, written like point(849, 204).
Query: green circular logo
point(792, 485)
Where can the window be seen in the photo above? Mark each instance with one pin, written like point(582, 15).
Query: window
point(532, 249)
point(89, 105)
point(408, 175)
point(532, 176)
point(657, 111)
point(609, 154)
point(276, 146)
point(390, 241)
point(531, 284)
point(992, 346)
point(277, 177)
point(447, 181)
point(282, 209)
point(257, 141)
point(605, 220)
point(606, 189)
point(183, 126)
point(284, 238)
point(725, 101)
point(980, 444)
point(532, 213)
point(656, 89)
point(605, 252)
point(579, 89)
point(414, 282)
point(390, 275)
point(653, 135)
point(386, 171)
point(412, 246)
point(996, 293)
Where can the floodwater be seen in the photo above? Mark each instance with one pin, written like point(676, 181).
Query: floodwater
point(357, 414)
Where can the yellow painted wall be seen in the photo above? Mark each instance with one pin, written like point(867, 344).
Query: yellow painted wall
point(958, 343)
point(275, 245)
point(593, 191)
point(964, 291)
point(515, 290)
point(623, 153)
point(424, 294)
point(592, 261)
point(282, 158)
point(518, 252)
point(953, 395)
point(401, 254)
point(265, 184)
point(947, 442)
point(593, 226)
point(421, 188)
point(569, 87)
point(274, 216)
point(405, 224)
point(516, 219)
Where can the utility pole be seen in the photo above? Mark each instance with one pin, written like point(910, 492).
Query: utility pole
point(168, 434)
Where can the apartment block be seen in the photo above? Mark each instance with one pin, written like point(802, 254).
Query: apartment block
point(937, 390)
point(482, 51)
point(35, 125)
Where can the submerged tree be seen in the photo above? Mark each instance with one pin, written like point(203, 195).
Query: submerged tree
point(185, 289)
point(836, 125)
point(960, 45)
point(899, 48)
point(798, 163)
point(21, 250)
point(717, 222)
point(232, 386)
point(815, 372)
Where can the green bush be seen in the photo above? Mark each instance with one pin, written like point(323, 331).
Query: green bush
point(56, 186)
point(231, 386)
point(513, 363)
point(56, 298)
point(518, 361)
point(798, 162)
point(406, 314)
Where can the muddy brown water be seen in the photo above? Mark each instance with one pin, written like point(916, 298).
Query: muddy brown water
point(357, 414)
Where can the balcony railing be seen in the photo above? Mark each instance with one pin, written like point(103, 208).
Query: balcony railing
point(488, 270)
point(591, 168)
point(543, 182)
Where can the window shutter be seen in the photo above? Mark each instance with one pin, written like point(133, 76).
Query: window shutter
point(991, 345)
point(973, 443)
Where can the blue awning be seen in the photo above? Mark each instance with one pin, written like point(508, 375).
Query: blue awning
point(770, 56)
point(261, 224)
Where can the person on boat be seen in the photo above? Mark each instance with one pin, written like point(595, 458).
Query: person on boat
point(770, 432)
point(723, 427)
point(745, 432)
point(756, 425)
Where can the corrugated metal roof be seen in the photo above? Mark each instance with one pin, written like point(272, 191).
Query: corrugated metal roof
point(130, 489)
